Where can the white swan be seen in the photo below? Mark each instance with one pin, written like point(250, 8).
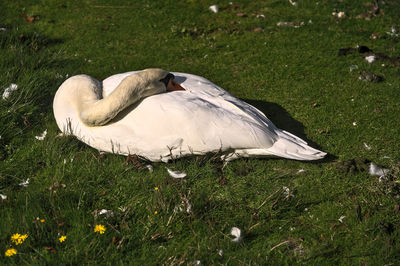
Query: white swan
point(133, 113)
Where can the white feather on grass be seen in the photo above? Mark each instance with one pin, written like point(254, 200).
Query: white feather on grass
point(375, 170)
point(24, 183)
point(214, 8)
point(106, 213)
point(7, 91)
point(150, 168)
point(237, 233)
point(42, 136)
point(176, 174)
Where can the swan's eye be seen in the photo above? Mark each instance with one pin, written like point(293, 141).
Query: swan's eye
point(167, 79)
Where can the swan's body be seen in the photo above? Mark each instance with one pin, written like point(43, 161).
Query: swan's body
point(203, 118)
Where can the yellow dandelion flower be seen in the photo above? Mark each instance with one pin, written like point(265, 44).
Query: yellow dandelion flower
point(156, 188)
point(100, 229)
point(23, 237)
point(62, 239)
point(15, 237)
point(155, 212)
point(18, 239)
point(10, 252)
point(42, 220)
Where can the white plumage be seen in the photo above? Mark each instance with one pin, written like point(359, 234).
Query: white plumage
point(163, 125)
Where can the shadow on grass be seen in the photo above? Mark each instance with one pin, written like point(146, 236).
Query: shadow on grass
point(282, 119)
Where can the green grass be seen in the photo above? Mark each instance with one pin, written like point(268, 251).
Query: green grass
point(294, 75)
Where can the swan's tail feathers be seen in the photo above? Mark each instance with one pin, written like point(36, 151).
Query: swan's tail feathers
point(292, 147)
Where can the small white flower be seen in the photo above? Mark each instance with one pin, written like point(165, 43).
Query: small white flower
point(287, 192)
point(123, 208)
point(354, 123)
point(214, 8)
point(176, 174)
point(292, 228)
point(237, 233)
point(306, 209)
point(341, 218)
point(221, 252)
point(370, 59)
point(65, 161)
point(7, 91)
point(42, 136)
point(24, 183)
point(393, 32)
point(293, 3)
point(340, 14)
point(3, 197)
point(197, 262)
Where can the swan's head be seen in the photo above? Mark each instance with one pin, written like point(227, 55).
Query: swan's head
point(161, 80)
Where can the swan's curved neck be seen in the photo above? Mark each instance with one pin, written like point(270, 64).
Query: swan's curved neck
point(94, 111)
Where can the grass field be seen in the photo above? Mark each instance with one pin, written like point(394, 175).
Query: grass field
point(280, 57)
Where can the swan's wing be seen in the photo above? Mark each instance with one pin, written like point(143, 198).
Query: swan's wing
point(202, 118)
point(205, 89)
point(186, 123)
point(208, 90)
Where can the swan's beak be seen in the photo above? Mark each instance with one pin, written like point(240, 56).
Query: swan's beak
point(174, 86)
